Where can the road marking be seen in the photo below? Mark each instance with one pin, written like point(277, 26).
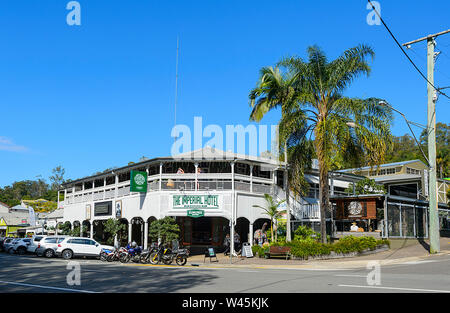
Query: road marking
point(418, 262)
point(351, 275)
point(46, 287)
point(395, 288)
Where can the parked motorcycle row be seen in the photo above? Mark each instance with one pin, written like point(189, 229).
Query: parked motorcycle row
point(161, 254)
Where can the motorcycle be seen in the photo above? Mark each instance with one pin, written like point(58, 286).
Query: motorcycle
point(130, 254)
point(166, 255)
point(105, 254)
point(144, 258)
point(115, 256)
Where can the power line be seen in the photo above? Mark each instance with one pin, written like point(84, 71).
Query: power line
point(401, 48)
point(436, 68)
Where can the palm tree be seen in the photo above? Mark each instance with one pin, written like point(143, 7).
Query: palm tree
point(275, 89)
point(272, 210)
point(352, 128)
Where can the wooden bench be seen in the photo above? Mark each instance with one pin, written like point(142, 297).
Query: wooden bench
point(279, 251)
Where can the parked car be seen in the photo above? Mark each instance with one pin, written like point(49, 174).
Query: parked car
point(8, 244)
point(34, 243)
point(48, 244)
point(20, 246)
point(78, 246)
point(1, 243)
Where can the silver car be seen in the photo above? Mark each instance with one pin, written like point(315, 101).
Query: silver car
point(48, 244)
point(9, 243)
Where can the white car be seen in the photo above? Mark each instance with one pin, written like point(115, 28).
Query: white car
point(20, 246)
point(79, 246)
point(34, 243)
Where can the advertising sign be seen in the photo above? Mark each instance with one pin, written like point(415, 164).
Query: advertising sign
point(88, 211)
point(138, 181)
point(119, 209)
point(103, 208)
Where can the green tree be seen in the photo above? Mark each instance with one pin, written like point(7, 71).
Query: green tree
point(442, 148)
point(366, 186)
point(57, 179)
point(166, 229)
point(114, 227)
point(357, 129)
point(65, 228)
point(272, 211)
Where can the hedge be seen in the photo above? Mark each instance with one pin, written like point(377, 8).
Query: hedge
point(309, 247)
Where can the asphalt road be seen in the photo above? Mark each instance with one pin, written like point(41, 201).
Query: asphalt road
point(41, 275)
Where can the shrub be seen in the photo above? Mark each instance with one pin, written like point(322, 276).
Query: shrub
point(304, 232)
point(310, 247)
point(260, 251)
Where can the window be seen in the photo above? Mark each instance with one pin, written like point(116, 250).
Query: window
point(60, 239)
point(412, 171)
point(407, 190)
point(76, 241)
point(37, 238)
point(50, 240)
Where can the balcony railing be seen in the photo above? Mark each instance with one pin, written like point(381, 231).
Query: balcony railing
point(174, 182)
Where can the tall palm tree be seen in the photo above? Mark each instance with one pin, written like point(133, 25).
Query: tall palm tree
point(276, 89)
point(272, 210)
point(356, 129)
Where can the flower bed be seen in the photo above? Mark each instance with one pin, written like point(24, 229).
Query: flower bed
point(347, 246)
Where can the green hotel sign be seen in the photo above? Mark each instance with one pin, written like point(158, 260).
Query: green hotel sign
point(138, 181)
point(195, 213)
point(193, 202)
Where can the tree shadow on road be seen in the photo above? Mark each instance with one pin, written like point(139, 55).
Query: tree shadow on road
point(99, 277)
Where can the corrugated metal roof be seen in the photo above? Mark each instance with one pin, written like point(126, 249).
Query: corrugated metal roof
point(382, 165)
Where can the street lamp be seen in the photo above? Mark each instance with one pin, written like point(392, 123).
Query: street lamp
point(408, 122)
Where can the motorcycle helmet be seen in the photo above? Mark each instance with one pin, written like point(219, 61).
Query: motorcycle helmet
point(133, 244)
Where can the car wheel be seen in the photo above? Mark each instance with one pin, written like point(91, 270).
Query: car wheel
point(11, 251)
point(67, 254)
point(49, 253)
point(21, 250)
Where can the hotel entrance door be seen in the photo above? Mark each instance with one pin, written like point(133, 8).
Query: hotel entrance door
point(203, 231)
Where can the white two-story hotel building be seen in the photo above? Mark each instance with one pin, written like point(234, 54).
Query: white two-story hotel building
point(214, 196)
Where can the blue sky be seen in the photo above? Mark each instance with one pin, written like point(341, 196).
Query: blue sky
point(101, 94)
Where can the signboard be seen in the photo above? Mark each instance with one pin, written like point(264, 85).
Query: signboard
point(138, 181)
point(211, 252)
point(119, 209)
point(88, 211)
point(103, 208)
point(355, 209)
point(247, 250)
point(195, 213)
point(195, 202)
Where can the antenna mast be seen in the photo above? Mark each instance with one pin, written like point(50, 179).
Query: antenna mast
point(176, 84)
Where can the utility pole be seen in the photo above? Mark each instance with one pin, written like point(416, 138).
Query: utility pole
point(431, 130)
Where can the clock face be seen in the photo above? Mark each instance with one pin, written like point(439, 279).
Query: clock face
point(354, 208)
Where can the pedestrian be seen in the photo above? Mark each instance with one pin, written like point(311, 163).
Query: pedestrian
point(226, 244)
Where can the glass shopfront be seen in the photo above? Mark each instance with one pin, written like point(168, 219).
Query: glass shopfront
point(406, 220)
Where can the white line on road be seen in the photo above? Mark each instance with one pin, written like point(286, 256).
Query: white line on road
point(351, 275)
point(418, 262)
point(395, 288)
point(46, 287)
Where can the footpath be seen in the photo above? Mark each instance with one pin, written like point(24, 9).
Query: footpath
point(401, 251)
